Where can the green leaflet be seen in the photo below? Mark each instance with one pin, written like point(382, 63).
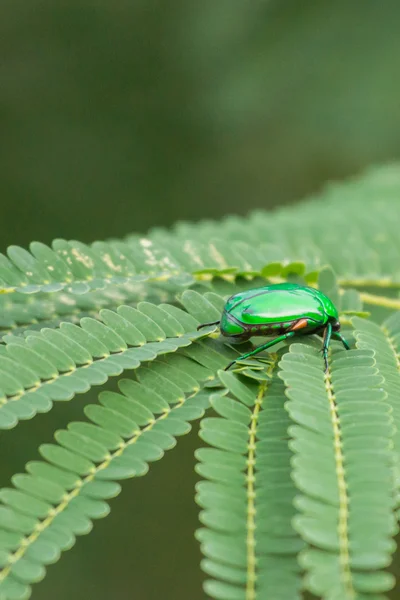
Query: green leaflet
point(248, 540)
point(59, 497)
point(79, 268)
point(231, 247)
point(362, 210)
point(342, 467)
point(23, 312)
point(383, 341)
point(56, 364)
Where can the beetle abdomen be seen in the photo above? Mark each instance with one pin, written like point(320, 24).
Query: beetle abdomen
point(271, 329)
point(229, 327)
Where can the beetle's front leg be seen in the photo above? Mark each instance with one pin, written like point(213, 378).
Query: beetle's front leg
point(325, 347)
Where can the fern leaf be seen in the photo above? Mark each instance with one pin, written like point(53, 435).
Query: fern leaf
point(249, 543)
point(59, 497)
point(56, 364)
point(362, 210)
point(79, 268)
point(24, 312)
point(342, 466)
point(299, 239)
point(87, 276)
point(383, 341)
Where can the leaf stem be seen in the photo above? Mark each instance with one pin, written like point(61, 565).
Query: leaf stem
point(384, 282)
point(343, 525)
point(380, 300)
point(251, 493)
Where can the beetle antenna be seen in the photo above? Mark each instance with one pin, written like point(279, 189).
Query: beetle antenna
point(207, 324)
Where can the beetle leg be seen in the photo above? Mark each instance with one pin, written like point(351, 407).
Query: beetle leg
point(325, 347)
point(338, 336)
point(207, 324)
point(278, 339)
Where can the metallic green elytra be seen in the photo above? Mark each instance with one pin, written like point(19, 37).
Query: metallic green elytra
point(284, 310)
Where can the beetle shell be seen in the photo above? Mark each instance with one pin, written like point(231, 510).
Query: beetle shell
point(277, 309)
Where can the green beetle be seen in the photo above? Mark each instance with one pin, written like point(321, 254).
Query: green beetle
point(284, 310)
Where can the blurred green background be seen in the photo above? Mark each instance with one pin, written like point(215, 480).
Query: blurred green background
point(119, 116)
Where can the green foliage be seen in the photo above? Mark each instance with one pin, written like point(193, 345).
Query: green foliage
point(56, 364)
point(249, 539)
point(342, 466)
point(300, 471)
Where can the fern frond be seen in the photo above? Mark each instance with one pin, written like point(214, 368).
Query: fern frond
point(299, 240)
point(249, 543)
point(383, 341)
point(59, 497)
point(25, 312)
point(361, 211)
point(141, 262)
point(56, 364)
point(78, 268)
point(342, 465)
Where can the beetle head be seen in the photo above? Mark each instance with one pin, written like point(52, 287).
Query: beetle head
point(336, 325)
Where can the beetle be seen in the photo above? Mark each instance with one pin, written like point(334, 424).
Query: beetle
point(284, 310)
